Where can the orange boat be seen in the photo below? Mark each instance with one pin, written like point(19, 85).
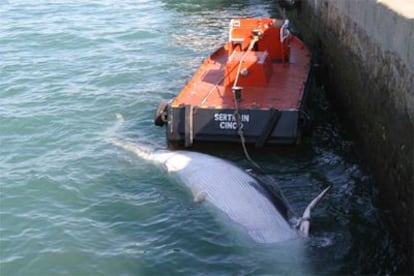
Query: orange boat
point(252, 90)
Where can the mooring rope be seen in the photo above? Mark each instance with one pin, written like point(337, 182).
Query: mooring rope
point(236, 105)
point(255, 39)
point(240, 133)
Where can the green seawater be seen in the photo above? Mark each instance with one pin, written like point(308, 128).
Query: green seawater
point(73, 204)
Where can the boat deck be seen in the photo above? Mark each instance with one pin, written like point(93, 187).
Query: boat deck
point(284, 90)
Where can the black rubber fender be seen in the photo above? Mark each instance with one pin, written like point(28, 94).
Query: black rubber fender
point(161, 114)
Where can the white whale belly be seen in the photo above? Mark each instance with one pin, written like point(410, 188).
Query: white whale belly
point(229, 188)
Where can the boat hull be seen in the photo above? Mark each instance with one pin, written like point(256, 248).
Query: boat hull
point(220, 125)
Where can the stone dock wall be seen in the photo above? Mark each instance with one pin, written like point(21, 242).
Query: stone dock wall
point(366, 52)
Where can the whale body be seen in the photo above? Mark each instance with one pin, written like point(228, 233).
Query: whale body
point(226, 187)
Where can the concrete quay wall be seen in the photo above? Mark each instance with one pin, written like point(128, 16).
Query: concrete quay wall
point(366, 52)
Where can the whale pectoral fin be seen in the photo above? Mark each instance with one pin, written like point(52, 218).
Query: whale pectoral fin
point(304, 226)
point(200, 197)
point(304, 222)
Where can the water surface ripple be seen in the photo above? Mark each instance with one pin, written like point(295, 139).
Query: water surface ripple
point(70, 203)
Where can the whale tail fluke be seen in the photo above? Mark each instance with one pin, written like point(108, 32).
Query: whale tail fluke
point(304, 222)
point(145, 152)
point(141, 151)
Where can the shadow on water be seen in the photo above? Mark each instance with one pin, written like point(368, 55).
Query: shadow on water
point(361, 237)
